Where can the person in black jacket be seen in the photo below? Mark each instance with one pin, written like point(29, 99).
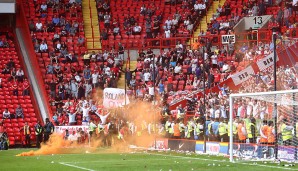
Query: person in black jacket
point(48, 130)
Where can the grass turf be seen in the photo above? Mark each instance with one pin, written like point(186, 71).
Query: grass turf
point(100, 160)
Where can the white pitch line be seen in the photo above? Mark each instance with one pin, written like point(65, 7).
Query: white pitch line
point(105, 161)
point(276, 167)
point(78, 167)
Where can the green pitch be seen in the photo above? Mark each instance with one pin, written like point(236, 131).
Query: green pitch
point(156, 161)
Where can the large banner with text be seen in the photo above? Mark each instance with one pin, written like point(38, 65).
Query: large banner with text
point(114, 97)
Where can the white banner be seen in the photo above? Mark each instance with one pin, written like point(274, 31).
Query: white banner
point(61, 129)
point(243, 75)
point(266, 62)
point(114, 97)
point(225, 39)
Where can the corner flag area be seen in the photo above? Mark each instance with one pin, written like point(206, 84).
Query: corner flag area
point(101, 159)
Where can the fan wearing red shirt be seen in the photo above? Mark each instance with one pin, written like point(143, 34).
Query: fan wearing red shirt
point(115, 70)
point(216, 77)
point(25, 88)
point(15, 89)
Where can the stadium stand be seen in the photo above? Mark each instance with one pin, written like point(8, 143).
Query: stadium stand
point(175, 73)
point(135, 23)
point(60, 47)
point(16, 105)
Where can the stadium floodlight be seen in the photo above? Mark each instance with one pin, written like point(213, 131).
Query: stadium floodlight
point(275, 104)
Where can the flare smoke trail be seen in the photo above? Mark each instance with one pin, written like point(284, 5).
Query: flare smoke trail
point(137, 112)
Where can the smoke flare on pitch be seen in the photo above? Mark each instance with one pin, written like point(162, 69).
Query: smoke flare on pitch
point(137, 113)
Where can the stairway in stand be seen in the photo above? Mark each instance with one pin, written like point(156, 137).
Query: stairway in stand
point(210, 12)
point(132, 65)
point(91, 28)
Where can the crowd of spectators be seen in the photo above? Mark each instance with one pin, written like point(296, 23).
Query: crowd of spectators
point(70, 72)
point(149, 20)
point(176, 69)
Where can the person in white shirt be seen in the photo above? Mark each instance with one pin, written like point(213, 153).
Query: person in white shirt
point(147, 76)
point(95, 77)
point(102, 117)
point(73, 137)
point(71, 1)
point(20, 74)
point(168, 24)
point(202, 8)
point(137, 29)
point(189, 27)
point(105, 55)
point(186, 22)
point(38, 26)
point(175, 21)
point(196, 6)
point(88, 89)
point(179, 45)
point(78, 78)
point(225, 67)
point(107, 70)
point(43, 47)
point(195, 82)
point(255, 108)
point(6, 114)
point(85, 111)
point(151, 91)
point(177, 69)
point(167, 33)
point(214, 60)
point(72, 117)
point(43, 7)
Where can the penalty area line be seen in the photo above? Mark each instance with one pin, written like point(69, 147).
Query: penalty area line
point(74, 166)
point(261, 165)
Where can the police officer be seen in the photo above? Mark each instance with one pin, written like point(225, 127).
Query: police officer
point(286, 133)
point(223, 130)
point(234, 128)
point(190, 129)
point(211, 135)
point(251, 130)
point(167, 126)
point(182, 129)
point(91, 128)
point(38, 133)
point(199, 131)
point(100, 129)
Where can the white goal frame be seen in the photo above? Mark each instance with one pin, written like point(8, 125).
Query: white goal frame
point(232, 96)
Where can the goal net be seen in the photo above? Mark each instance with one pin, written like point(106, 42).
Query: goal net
point(263, 126)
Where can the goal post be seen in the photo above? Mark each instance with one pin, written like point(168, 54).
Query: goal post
point(263, 126)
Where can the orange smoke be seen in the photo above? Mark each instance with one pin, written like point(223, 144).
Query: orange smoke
point(137, 112)
point(55, 145)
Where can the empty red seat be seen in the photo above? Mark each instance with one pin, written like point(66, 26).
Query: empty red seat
point(14, 120)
